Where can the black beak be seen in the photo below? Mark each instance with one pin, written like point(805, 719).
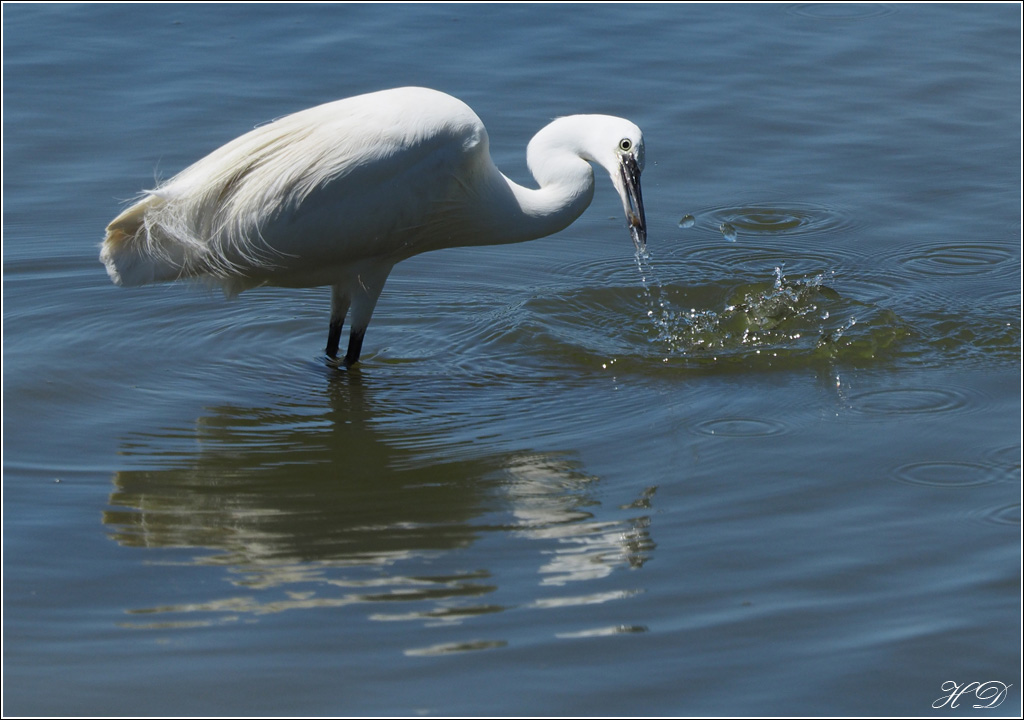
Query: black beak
point(633, 201)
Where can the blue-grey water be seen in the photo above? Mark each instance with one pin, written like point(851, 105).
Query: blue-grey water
point(772, 469)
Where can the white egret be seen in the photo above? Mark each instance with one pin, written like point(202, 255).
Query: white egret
point(337, 194)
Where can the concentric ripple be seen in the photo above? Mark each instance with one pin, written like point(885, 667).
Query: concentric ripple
point(703, 257)
point(765, 234)
point(774, 219)
point(909, 401)
point(841, 11)
point(1008, 457)
point(946, 474)
point(1002, 515)
point(740, 427)
point(959, 259)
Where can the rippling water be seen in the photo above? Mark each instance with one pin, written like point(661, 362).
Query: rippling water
point(771, 467)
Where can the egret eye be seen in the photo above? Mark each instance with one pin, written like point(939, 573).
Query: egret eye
point(625, 144)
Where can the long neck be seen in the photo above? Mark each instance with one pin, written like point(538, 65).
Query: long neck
point(552, 207)
point(566, 179)
point(566, 187)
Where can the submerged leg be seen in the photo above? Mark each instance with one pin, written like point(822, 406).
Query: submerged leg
point(355, 345)
point(339, 308)
point(333, 339)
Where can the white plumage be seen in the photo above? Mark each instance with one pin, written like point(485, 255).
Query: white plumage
point(337, 194)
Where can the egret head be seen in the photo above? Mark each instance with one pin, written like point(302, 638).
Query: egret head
point(615, 144)
point(618, 146)
point(630, 153)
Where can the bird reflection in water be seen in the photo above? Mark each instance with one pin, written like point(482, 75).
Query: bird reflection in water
point(273, 496)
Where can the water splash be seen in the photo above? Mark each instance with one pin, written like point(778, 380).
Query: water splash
point(801, 317)
point(660, 311)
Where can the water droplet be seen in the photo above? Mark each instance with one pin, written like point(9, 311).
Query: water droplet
point(687, 221)
point(728, 231)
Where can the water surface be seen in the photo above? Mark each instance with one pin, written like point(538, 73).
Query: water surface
point(769, 469)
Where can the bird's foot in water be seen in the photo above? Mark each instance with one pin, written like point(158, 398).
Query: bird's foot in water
point(355, 345)
point(339, 363)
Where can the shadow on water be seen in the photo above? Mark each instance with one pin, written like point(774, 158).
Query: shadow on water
point(354, 496)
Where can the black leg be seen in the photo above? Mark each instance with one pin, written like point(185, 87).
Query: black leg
point(333, 339)
point(339, 309)
point(355, 345)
